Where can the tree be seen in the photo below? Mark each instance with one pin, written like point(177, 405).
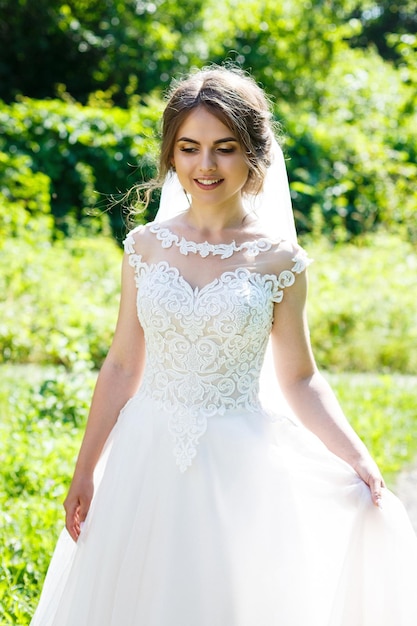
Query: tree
point(116, 46)
point(382, 18)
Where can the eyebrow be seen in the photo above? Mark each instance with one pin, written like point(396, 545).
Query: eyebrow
point(224, 140)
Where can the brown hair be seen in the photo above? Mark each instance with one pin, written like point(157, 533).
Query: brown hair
point(233, 97)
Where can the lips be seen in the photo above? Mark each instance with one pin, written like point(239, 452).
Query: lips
point(208, 183)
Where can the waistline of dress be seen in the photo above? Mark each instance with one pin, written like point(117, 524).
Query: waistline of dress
point(145, 400)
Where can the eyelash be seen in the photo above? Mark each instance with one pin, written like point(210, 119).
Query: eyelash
point(222, 150)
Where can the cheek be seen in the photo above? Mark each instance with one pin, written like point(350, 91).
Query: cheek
point(242, 166)
point(179, 160)
point(180, 165)
point(246, 173)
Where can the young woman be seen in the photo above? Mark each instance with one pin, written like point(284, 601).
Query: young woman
point(192, 503)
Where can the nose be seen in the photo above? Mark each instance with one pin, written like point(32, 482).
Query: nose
point(207, 161)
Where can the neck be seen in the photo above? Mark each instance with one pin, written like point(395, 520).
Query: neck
point(212, 221)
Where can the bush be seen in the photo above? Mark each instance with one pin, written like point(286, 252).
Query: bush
point(352, 163)
point(82, 156)
point(24, 200)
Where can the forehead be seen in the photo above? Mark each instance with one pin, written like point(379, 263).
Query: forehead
point(202, 124)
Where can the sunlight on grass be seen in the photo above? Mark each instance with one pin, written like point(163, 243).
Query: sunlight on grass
point(383, 410)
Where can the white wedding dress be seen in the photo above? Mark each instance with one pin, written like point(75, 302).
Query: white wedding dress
point(211, 510)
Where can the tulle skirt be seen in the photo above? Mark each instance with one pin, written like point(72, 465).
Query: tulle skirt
point(266, 528)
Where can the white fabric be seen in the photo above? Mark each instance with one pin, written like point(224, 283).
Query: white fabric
point(201, 376)
point(264, 528)
point(272, 205)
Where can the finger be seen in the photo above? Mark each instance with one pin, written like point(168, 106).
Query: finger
point(73, 529)
point(72, 522)
point(83, 510)
point(376, 488)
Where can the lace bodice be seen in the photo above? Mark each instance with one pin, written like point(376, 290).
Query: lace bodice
point(204, 345)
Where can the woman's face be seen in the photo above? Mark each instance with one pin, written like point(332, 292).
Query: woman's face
point(209, 161)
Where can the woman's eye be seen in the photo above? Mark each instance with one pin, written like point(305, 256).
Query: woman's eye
point(193, 149)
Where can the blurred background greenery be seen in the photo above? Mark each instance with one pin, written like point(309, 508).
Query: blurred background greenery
point(82, 85)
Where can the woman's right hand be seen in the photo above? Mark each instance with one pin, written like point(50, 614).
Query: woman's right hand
point(77, 504)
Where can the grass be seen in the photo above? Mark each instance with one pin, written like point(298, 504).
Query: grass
point(42, 411)
point(42, 416)
point(383, 410)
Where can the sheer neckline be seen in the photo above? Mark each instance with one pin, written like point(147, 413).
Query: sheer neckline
point(204, 249)
point(196, 290)
point(284, 278)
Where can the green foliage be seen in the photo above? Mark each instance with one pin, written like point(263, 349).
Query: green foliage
point(380, 19)
point(39, 438)
point(130, 47)
point(383, 410)
point(24, 200)
point(80, 155)
point(61, 301)
point(101, 45)
point(362, 306)
point(285, 46)
point(352, 163)
point(350, 115)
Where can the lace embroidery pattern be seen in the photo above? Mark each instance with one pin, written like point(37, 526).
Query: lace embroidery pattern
point(204, 351)
point(205, 346)
point(224, 250)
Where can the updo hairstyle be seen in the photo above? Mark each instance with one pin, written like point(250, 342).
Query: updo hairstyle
point(237, 101)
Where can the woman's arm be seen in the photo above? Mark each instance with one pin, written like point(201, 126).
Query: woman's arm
point(307, 392)
point(117, 381)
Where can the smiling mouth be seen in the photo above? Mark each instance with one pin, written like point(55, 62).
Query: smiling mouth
point(206, 182)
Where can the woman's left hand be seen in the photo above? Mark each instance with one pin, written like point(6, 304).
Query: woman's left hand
point(368, 470)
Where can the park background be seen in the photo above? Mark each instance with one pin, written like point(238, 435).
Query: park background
point(81, 91)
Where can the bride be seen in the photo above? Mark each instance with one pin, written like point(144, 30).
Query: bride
point(196, 499)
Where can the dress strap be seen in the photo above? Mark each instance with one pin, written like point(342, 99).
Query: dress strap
point(286, 278)
point(129, 241)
